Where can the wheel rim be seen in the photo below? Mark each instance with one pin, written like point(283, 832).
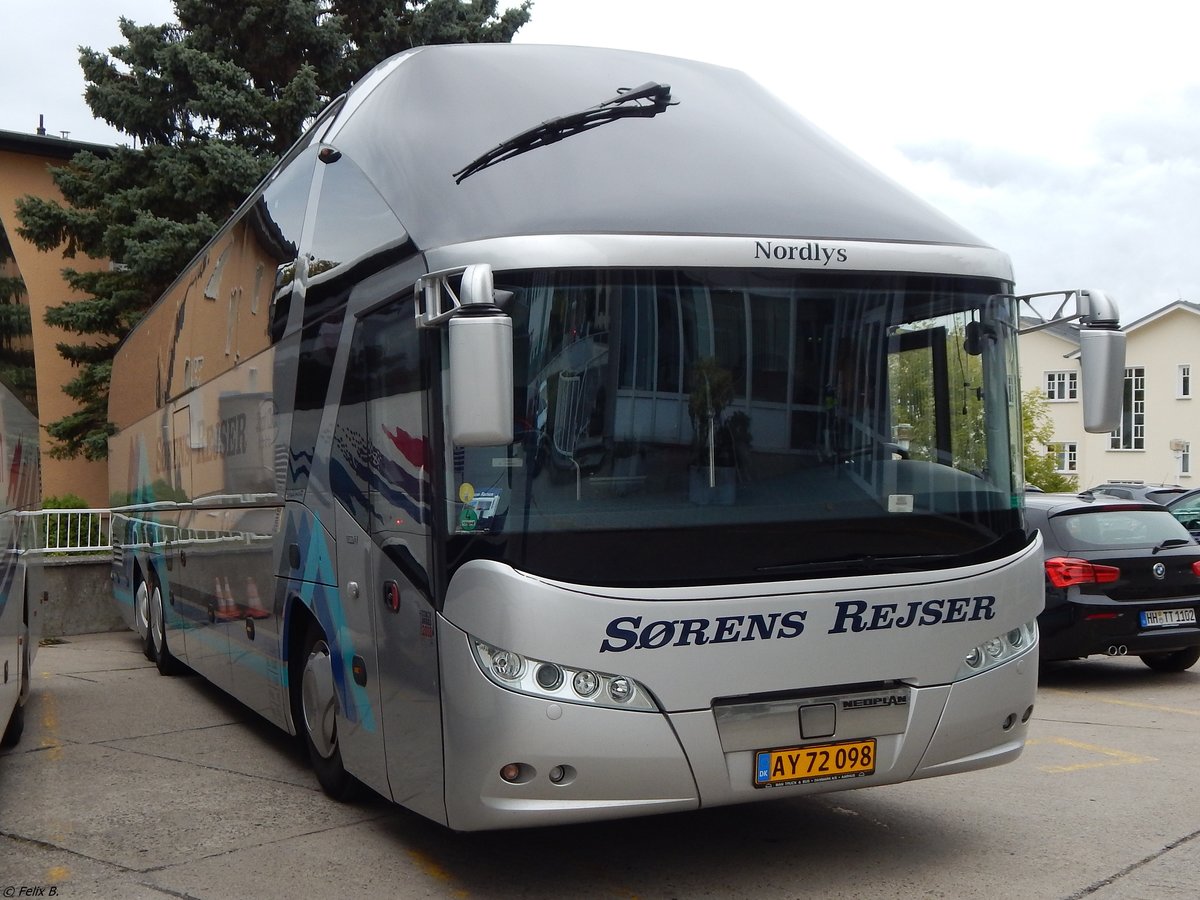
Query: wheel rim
point(156, 620)
point(318, 700)
point(141, 608)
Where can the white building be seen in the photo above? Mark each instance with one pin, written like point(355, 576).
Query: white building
point(1160, 417)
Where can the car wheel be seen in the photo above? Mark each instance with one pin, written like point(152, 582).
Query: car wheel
point(318, 719)
point(166, 662)
point(1179, 661)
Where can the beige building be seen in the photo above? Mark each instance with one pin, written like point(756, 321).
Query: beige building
point(24, 161)
point(1160, 416)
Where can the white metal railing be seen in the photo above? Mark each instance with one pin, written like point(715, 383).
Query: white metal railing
point(60, 532)
point(71, 530)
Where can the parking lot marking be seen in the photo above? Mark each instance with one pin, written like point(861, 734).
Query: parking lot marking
point(433, 869)
point(1150, 706)
point(1114, 757)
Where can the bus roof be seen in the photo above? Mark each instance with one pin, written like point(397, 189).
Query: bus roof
point(725, 158)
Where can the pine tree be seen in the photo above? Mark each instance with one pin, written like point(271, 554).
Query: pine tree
point(211, 101)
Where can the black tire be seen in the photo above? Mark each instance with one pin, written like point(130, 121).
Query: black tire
point(16, 725)
point(1179, 661)
point(166, 662)
point(141, 616)
point(317, 719)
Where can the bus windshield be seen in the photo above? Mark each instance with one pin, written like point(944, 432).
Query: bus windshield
point(688, 426)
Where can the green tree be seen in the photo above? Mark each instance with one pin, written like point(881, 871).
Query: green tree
point(211, 100)
point(1037, 432)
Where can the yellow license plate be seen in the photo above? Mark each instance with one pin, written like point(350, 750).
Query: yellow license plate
point(797, 765)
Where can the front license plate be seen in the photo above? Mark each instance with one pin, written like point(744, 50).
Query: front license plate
point(796, 765)
point(1158, 618)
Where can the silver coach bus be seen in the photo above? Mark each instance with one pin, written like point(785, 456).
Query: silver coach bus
point(560, 434)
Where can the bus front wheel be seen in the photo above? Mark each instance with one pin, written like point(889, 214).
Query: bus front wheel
point(318, 719)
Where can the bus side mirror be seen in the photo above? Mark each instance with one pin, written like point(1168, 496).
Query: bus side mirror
point(1102, 371)
point(481, 366)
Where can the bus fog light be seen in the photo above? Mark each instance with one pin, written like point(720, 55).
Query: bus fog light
point(585, 683)
point(557, 774)
point(511, 773)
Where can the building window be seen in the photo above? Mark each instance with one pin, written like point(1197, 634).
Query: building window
point(1062, 386)
point(1183, 384)
point(1066, 456)
point(1185, 460)
point(1131, 433)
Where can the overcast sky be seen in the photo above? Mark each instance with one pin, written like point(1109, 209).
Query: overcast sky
point(1065, 133)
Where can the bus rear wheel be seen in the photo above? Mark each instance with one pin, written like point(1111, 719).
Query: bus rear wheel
point(318, 717)
point(141, 615)
point(167, 664)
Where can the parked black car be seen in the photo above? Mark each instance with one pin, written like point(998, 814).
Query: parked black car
point(1186, 508)
point(1121, 577)
point(1139, 490)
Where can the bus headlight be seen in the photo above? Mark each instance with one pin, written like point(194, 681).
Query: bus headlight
point(999, 649)
point(556, 681)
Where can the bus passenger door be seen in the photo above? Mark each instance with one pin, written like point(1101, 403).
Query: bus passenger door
point(380, 463)
point(361, 734)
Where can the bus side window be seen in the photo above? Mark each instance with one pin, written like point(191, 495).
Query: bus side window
point(350, 457)
point(276, 219)
point(354, 230)
point(318, 346)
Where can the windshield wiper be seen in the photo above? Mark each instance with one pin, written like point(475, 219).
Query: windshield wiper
point(642, 102)
point(1171, 542)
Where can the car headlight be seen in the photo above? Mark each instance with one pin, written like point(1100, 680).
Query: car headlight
point(1000, 649)
point(556, 681)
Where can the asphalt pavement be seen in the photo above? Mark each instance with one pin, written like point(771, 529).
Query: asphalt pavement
point(128, 784)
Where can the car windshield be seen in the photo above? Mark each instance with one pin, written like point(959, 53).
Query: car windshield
point(1117, 529)
point(679, 426)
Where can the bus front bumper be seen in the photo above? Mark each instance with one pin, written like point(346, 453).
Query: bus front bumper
point(577, 763)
